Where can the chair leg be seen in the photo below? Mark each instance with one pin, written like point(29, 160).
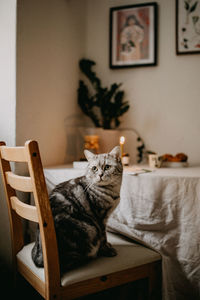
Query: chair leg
point(155, 282)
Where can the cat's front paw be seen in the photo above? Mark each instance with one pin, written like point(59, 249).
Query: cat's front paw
point(107, 250)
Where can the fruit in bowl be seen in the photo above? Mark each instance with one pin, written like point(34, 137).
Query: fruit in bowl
point(179, 160)
point(179, 157)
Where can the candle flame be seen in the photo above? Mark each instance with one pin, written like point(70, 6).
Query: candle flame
point(122, 140)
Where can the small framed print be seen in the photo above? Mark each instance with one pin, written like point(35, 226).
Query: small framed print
point(187, 26)
point(133, 35)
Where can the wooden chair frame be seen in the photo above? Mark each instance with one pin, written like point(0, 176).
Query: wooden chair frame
point(41, 213)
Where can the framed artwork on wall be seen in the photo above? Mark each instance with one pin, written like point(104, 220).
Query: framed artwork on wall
point(187, 26)
point(133, 35)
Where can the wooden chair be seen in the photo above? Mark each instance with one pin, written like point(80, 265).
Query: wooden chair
point(132, 263)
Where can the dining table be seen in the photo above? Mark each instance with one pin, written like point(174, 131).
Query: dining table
point(160, 208)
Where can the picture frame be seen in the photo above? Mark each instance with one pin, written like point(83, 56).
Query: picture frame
point(133, 35)
point(187, 27)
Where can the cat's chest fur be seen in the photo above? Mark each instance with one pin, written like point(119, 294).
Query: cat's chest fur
point(103, 201)
point(75, 197)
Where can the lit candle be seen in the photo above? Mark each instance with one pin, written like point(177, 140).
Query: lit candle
point(122, 141)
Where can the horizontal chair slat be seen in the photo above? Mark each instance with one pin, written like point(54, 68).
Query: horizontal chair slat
point(24, 210)
point(20, 183)
point(16, 154)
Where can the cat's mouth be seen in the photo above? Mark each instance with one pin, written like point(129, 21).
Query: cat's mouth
point(100, 179)
point(102, 182)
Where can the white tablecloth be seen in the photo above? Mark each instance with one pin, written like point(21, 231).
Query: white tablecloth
point(162, 210)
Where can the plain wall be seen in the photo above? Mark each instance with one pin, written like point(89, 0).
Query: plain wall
point(8, 108)
point(164, 99)
point(50, 42)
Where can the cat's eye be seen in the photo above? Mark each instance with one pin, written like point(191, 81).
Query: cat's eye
point(94, 168)
point(107, 167)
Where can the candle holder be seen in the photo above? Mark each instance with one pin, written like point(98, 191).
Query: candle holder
point(125, 159)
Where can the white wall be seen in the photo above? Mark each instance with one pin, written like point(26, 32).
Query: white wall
point(165, 99)
point(7, 104)
point(50, 42)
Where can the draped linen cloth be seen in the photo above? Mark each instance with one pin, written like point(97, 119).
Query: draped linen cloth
point(162, 210)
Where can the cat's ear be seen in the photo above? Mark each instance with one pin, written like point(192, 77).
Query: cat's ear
point(116, 152)
point(89, 155)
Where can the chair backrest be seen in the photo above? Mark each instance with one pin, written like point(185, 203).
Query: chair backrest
point(40, 213)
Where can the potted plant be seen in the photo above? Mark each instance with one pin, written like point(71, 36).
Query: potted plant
point(104, 106)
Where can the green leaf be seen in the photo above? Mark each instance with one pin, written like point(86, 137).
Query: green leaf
point(86, 67)
point(187, 6)
point(119, 97)
point(193, 7)
point(195, 19)
point(117, 122)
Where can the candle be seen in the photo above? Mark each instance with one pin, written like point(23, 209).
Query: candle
point(121, 142)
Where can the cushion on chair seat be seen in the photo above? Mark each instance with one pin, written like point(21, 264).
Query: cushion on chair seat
point(130, 255)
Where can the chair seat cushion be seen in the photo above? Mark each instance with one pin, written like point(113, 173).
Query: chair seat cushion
point(130, 255)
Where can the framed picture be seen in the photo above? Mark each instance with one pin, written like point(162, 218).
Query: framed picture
point(187, 26)
point(133, 35)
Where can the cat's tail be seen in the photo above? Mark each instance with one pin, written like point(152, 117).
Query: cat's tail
point(36, 252)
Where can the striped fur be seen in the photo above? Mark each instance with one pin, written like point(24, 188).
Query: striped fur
point(81, 207)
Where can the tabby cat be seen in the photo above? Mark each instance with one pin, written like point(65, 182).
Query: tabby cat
point(80, 209)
